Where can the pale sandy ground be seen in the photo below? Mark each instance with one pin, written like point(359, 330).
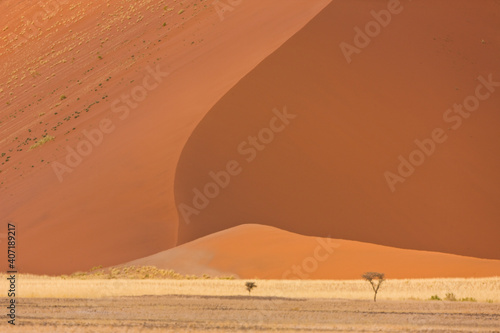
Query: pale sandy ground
point(250, 314)
point(50, 304)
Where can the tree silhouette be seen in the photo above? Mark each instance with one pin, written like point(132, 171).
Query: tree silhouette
point(371, 277)
point(250, 286)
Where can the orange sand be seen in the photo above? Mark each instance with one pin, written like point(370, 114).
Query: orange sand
point(118, 203)
point(256, 251)
point(322, 175)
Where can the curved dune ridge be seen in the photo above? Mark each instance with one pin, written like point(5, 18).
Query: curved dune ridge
point(66, 68)
point(257, 251)
point(377, 150)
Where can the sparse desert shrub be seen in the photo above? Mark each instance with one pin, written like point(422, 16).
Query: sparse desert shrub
point(435, 298)
point(250, 286)
point(372, 277)
point(139, 272)
point(63, 97)
point(468, 299)
point(79, 275)
point(450, 297)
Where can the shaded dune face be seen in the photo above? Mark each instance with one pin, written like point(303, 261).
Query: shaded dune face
point(322, 169)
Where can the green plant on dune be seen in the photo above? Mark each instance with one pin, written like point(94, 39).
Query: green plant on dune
point(42, 141)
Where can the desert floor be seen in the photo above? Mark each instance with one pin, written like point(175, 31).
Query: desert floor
point(179, 313)
point(56, 304)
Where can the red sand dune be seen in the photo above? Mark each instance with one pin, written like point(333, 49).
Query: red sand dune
point(323, 175)
point(322, 172)
point(256, 251)
point(118, 203)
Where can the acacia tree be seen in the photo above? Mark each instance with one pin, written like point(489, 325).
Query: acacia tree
point(372, 277)
point(250, 286)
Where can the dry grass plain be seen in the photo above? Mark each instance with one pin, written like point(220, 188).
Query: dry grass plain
point(91, 286)
point(185, 313)
point(55, 304)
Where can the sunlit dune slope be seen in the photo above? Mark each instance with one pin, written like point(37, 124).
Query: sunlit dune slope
point(250, 251)
point(123, 84)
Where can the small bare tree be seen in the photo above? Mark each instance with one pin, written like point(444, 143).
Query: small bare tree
point(372, 277)
point(250, 286)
